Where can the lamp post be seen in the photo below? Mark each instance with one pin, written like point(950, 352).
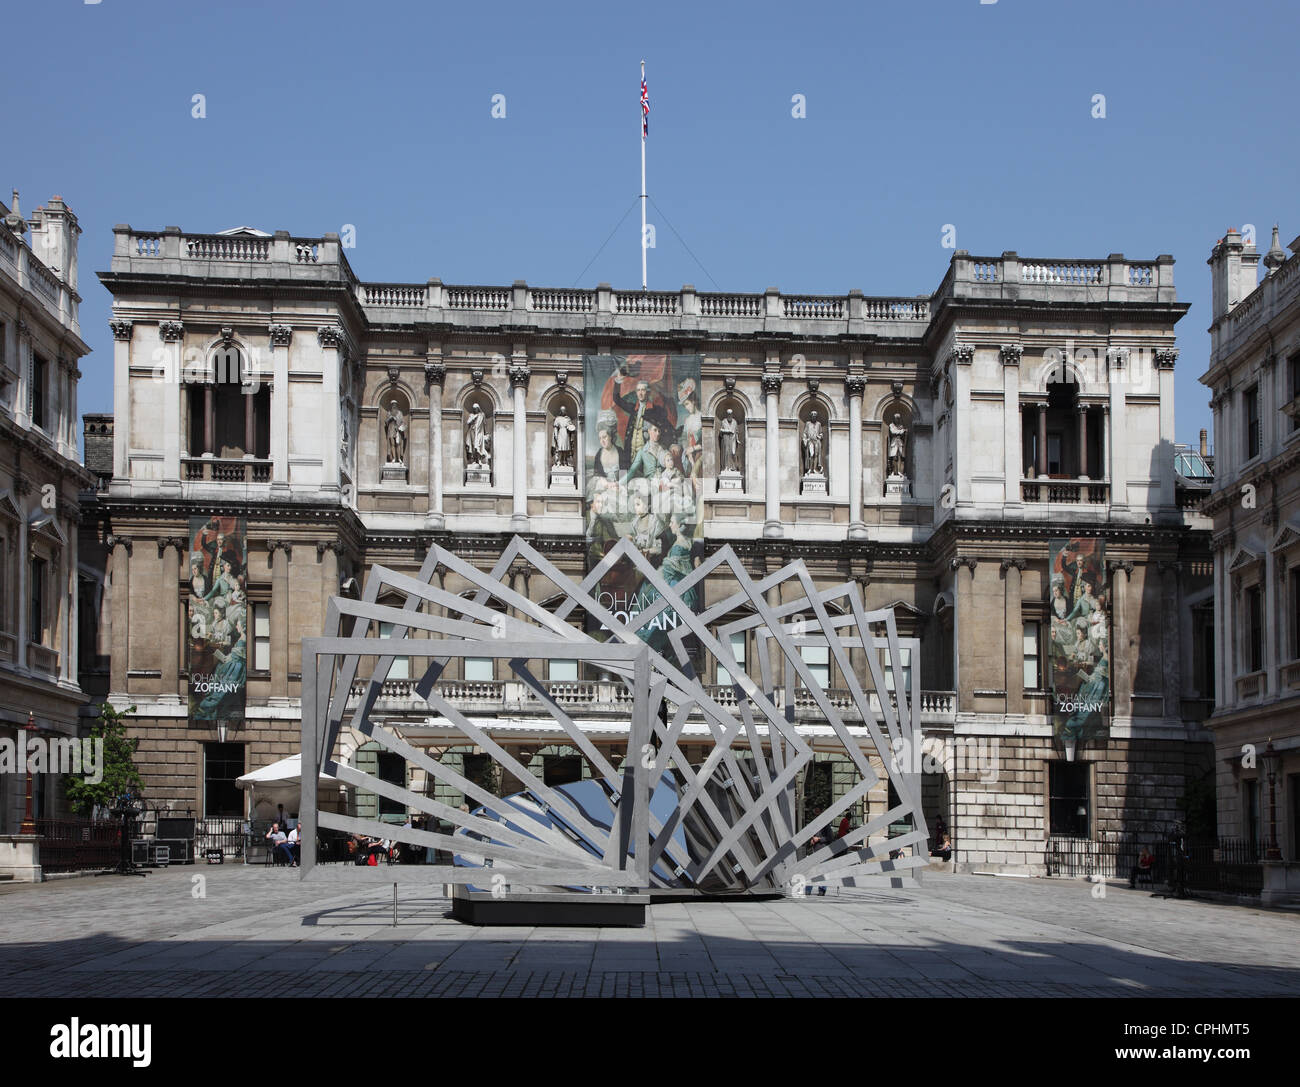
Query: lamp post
point(1272, 762)
point(28, 824)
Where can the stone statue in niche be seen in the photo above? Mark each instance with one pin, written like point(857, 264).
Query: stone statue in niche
point(478, 446)
point(563, 431)
point(730, 447)
point(811, 444)
point(395, 432)
point(897, 450)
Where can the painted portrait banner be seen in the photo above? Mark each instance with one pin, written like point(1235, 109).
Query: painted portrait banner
point(644, 464)
point(1079, 655)
point(217, 642)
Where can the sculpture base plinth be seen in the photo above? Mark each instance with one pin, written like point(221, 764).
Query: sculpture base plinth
point(478, 475)
point(559, 908)
point(564, 478)
point(730, 480)
point(814, 483)
point(392, 473)
point(900, 487)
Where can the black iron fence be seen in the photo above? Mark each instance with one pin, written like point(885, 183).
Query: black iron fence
point(224, 832)
point(1227, 865)
point(78, 845)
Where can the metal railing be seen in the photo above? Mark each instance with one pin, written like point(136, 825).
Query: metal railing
point(224, 832)
point(78, 845)
point(1224, 865)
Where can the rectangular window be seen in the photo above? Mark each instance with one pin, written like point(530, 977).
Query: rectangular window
point(36, 393)
point(1069, 800)
point(391, 767)
point(1055, 465)
point(222, 764)
point(1031, 657)
point(564, 671)
point(36, 619)
point(1250, 817)
point(1293, 583)
point(1293, 379)
point(818, 660)
point(1254, 629)
point(401, 668)
point(738, 651)
point(262, 637)
point(478, 670)
point(1250, 404)
point(906, 655)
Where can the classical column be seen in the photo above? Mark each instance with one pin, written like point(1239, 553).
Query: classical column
point(1015, 637)
point(120, 548)
point(1120, 657)
point(1165, 359)
point(1117, 361)
point(1042, 438)
point(23, 487)
point(519, 374)
point(964, 681)
point(1171, 641)
point(1220, 663)
point(1082, 417)
point(281, 336)
point(70, 652)
point(121, 397)
point(963, 358)
point(435, 373)
point(772, 483)
point(1012, 451)
point(209, 428)
point(169, 636)
point(328, 554)
point(334, 349)
point(856, 385)
point(281, 551)
point(172, 334)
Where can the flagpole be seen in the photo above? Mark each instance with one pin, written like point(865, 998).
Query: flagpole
point(644, 127)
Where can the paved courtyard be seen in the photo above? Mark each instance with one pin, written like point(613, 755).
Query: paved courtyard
point(261, 931)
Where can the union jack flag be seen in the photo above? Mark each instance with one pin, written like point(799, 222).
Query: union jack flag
point(645, 108)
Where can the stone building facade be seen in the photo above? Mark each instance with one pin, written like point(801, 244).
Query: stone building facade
point(40, 482)
point(1254, 377)
point(957, 435)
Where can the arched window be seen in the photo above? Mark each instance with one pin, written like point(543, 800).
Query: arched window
point(229, 413)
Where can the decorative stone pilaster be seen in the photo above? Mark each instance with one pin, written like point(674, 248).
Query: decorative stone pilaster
point(121, 328)
point(519, 374)
point(772, 381)
point(435, 376)
point(1010, 570)
point(855, 385)
point(1010, 353)
point(281, 335)
point(170, 331)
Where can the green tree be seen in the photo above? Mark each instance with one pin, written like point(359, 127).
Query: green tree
point(120, 773)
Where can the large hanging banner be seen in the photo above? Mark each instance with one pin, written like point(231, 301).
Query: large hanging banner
point(217, 652)
point(1079, 612)
point(644, 465)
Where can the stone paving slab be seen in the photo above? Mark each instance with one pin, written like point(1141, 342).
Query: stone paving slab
point(257, 930)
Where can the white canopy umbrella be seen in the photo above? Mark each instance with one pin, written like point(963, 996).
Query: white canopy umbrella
point(285, 772)
point(283, 775)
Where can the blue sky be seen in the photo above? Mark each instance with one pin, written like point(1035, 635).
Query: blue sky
point(320, 114)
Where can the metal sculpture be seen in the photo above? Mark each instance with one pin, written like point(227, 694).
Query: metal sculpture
point(731, 823)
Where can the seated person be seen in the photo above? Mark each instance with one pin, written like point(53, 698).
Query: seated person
point(292, 846)
point(943, 850)
point(1143, 867)
point(276, 837)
